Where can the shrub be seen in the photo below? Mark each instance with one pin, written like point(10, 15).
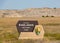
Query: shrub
point(42, 16)
point(47, 16)
point(52, 16)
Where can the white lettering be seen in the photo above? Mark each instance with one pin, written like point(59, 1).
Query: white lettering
point(26, 24)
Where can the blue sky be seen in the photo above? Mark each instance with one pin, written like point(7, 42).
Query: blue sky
point(24, 4)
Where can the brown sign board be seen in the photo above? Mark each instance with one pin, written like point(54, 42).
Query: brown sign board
point(26, 25)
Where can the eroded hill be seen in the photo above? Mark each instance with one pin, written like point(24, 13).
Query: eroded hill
point(31, 12)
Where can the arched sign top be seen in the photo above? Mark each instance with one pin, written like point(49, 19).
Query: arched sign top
point(26, 25)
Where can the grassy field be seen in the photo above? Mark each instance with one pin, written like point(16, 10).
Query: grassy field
point(9, 33)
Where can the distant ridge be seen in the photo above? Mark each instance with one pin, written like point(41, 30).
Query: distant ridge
point(31, 12)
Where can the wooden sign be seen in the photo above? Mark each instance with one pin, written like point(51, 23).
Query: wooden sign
point(30, 29)
point(26, 26)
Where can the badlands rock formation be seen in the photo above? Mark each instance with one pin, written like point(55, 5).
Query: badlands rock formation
point(36, 12)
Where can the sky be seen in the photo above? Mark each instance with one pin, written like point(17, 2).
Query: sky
point(24, 4)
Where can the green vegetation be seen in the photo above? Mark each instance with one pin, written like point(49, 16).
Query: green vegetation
point(47, 16)
point(55, 36)
point(52, 16)
point(8, 37)
point(43, 16)
point(55, 24)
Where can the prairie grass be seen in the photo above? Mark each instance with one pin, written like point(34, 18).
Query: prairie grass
point(55, 36)
point(9, 33)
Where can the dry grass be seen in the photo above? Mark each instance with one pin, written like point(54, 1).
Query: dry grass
point(9, 34)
